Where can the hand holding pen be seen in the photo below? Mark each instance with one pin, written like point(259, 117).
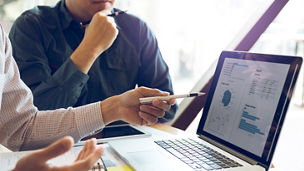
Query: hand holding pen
point(101, 31)
point(99, 35)
point(104, 26)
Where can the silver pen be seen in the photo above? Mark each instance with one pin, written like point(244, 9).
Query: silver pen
point(148, 100)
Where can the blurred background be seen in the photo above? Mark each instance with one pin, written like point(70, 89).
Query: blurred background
point(191, 35)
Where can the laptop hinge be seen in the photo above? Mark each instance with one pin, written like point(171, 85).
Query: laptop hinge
point(233, 152)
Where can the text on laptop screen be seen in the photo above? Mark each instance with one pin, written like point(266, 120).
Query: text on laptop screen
point(245, 101)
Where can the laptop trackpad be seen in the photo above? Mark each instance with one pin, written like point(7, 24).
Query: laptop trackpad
point(144, 154)
point(149, 160)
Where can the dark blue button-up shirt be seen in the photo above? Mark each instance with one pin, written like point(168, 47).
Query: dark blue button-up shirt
point(43, 39)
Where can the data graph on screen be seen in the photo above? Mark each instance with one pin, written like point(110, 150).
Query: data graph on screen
point(245, 123)
point(244, 102)
point(226, 98)
point(251, 128)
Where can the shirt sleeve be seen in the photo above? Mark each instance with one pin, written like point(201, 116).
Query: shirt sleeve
point(23, 127)
point(30, 41)
point(154, 71)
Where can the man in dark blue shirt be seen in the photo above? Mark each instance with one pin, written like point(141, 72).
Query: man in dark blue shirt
point(66, 63)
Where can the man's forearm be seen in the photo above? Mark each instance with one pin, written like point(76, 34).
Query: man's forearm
point(83, 57)
point(99, 36)
point(48, 126)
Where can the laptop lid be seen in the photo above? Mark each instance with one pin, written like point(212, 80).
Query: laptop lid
point(247, 103)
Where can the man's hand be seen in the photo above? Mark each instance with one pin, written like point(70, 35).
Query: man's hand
point(99, 36)
point(100, 33)
point(148, 113)
point(127, 107)
point(38, 159)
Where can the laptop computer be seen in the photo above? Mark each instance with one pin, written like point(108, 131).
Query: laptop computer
point(241, 121)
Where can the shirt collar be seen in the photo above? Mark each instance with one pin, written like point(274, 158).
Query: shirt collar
point(65, 18)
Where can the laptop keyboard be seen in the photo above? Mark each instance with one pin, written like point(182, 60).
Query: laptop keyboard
point(197, 155)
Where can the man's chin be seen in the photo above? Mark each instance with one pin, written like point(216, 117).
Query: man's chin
point(98, 1)
point(106, 7)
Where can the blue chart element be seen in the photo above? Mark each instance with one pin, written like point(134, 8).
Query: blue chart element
point(239, 65)
point(226, 98)
point(249, 127)
point(246, 115)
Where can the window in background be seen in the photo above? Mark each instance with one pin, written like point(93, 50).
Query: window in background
point(192, 33)
point(285, 36)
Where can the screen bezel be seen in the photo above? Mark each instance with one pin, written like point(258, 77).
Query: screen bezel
point(295, 64)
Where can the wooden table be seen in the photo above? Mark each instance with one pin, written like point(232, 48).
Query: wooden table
point(167, 128)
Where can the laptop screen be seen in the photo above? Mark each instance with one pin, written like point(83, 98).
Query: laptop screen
point(242, 107)
point(246, 97)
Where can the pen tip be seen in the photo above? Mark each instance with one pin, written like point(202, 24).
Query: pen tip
point(196, 94)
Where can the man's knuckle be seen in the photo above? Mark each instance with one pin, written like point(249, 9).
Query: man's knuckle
point(154, 120)
point(162, 114)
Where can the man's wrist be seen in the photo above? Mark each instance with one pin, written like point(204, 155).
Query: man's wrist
point(110, 109)
point(84, 58)
point(90, 48)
